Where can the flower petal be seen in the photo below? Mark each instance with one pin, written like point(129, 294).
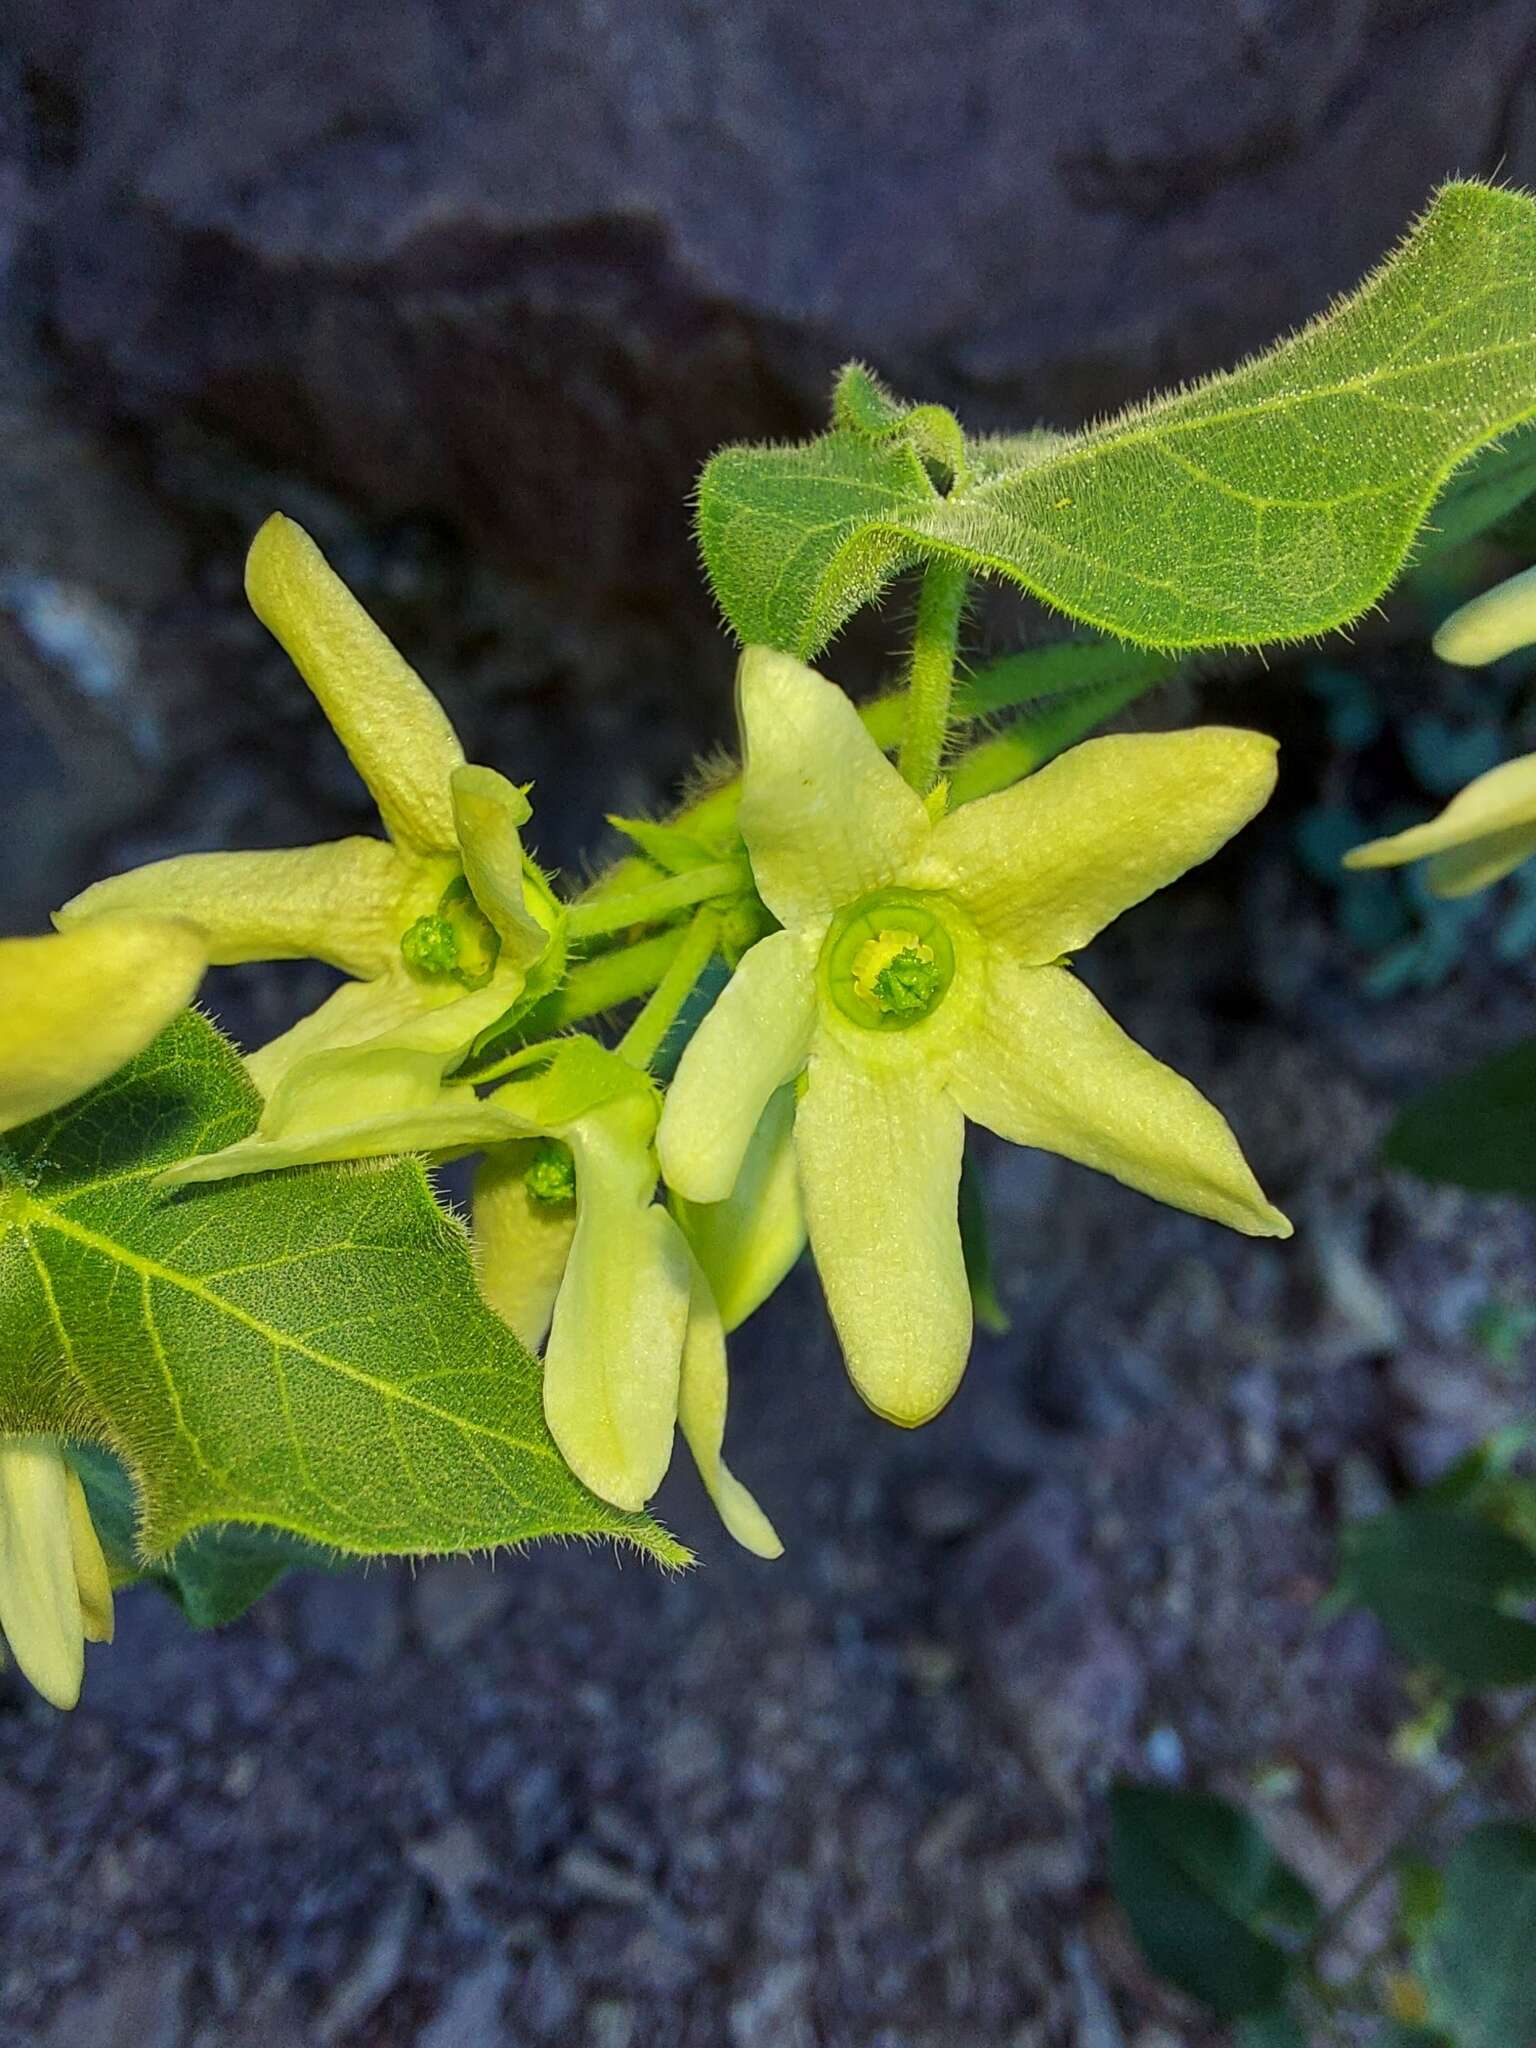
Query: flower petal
point(754, 1040)
point(702, 1396)
point(356, 1012)
point(614, 1356)
point(1496, 807)
point(39, 1600)
point(77, 1005)
point(521, 1246)
point(1492, 625)
point(879, 1151)
point(487, 811)
point(1465, 869)
point(372, 1100)
point(1047, 1066)
point(93, 1582)
point(334, 902)
point(748, 1242)
point(1045, 865)
point(391, 725)
point(825, 816)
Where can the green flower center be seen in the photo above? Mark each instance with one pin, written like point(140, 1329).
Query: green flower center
point(889, 960)
point(457, 940)
point(551, 1176)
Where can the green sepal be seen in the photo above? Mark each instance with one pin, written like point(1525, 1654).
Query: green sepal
point(1476, 1130)
point(863, 405)
point(672, 850)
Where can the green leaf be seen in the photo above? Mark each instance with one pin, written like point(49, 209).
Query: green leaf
point(1476, 1960)
point(1400, 2034)
point(1440, 1581)
point(1268, 504)
point(1494, 484)
point(214, 1576)
point(302, 1351)
point(1477, 1130)
point(1205, 1894)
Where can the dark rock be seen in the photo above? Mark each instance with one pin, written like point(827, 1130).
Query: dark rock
point(472, 2011)
point(478, 256)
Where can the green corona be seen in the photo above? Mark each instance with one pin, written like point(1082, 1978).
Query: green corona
point(889, 960)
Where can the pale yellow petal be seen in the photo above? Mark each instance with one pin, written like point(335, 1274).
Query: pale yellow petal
point(702, 1399)
point(1046, 1066)
point(487, 812)
point(754, 1040)
point(75, 1006)
point(1044, 866)
point(748, 1242)
point(1496, 808)
point(396, 732)
point(1465, 869)
point(336, 902)
point(521, 1246)
point(1492, 625)
point(93, 1582)
point(39, 1599)
point(372, 1098)
point(825, 815)
point(879, 1150)
point(614, 1355)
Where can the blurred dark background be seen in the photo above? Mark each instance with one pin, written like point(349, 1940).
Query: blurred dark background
point(471, 290)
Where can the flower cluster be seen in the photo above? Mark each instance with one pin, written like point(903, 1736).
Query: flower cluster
point(894, 967)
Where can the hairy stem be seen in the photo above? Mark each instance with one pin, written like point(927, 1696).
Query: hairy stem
point(643, 1039)
point(932, 679)
point(653, 901)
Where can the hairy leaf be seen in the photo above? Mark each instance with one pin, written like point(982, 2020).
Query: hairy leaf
point(1476, 1960)
point(303, 1351)
point(1205, 1894)
point(1441, 1583)
point(1267, 504)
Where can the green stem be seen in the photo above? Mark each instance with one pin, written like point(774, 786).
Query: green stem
point(1486, 1760)
point(653, 901)
point(643, 1039)
point(594, 986)
point(997, 763)
point(932, 679)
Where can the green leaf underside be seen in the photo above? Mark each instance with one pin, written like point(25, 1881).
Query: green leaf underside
point(1439, 1582)
point(1477, 1130)
point(213, 1576)
point(1268, 504)
point(1202, 1890)
point(1476, 1960)
point(303, 1351)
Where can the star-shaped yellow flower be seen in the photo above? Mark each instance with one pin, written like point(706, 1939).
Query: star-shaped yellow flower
point(919, 980)
point(441, 923)
point(1488, 828)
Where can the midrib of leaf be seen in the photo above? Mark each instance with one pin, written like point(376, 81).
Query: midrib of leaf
point(151, 1269)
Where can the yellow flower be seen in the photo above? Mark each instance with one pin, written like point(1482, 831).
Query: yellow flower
point(55, 1595)
point(75, 1006)
point(435, 922)
point(1488, 828)
point(568, 1240)
point(919, 980)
